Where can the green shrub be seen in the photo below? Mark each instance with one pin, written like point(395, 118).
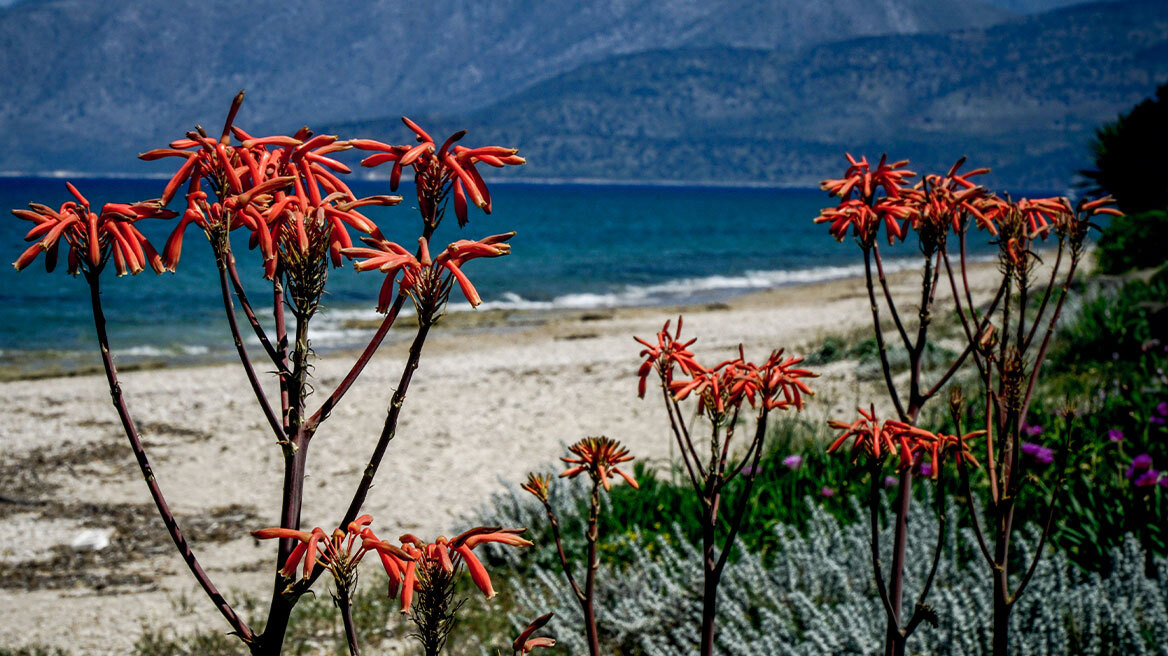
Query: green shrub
point(1133, 241)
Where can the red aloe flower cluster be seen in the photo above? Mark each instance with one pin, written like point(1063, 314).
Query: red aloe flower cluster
point(663, 356)
point(285, 190)
point(599, 457)
point(423, 274)
point(911, 444)
point(774, 384)
point(339, 553)
point(870, 198)
point(868, 209)
point(92, 236)
point(408, 566)
point(437, 170)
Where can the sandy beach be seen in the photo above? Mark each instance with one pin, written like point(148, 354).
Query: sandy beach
point(485, 407)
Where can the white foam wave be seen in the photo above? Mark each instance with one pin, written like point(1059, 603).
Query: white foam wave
point(688, 289)
point(330, 330)
point(144, 351)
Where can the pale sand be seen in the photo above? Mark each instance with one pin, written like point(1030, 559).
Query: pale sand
point(483, 409)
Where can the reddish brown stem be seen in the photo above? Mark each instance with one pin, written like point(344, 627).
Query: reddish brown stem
point(259, 331)
point(359, 366)
point(239, 627)
point(884, 364)
point(389, 429)
point(281, 347)
point(739, 515)
point(555, 524)
point(244, 359)
point(588, 602)
point(888, 298)
point(342, 599)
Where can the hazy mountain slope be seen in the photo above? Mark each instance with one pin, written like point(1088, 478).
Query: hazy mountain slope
point(85, 83)
point(1023, 96)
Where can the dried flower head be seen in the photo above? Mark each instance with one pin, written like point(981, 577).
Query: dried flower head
point(539, 485)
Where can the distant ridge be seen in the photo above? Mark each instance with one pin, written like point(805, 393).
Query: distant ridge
point(1023, 97)
point(725, 91)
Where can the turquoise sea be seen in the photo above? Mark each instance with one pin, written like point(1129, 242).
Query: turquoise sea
point(577, 247)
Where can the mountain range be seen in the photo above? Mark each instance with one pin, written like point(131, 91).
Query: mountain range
point(722, 91)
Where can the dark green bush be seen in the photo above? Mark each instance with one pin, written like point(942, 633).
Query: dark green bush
point(1133, 241)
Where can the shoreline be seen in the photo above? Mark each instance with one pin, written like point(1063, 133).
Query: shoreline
point(498, 316)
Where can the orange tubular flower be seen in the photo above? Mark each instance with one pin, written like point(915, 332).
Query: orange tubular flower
point(776, 384)
point(779, 382)
point(437, 171)
point(935, 445)
point(285, 190)
point(407, 576)
point(874, 438)
point(599, 457)
point(861, 179)
point(865, 219)
point(664, 355)
point(92, 237)
point(390, 258)
point(340, 552)
point(525, 643)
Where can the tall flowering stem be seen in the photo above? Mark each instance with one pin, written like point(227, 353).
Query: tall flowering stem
point(719, 393)
point(288, 194)
point(598, 458)
point(878, 201)
point(93, 240)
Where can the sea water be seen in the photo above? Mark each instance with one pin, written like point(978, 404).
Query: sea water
point(577, 247)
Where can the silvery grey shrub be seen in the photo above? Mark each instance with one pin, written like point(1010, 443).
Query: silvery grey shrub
point(816, 596)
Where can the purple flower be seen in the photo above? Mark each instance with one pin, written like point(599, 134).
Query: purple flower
point(793, 461)
point(1037, 452)
point(826, 491)
point(1139, 465)
point(750, 470)
point(1162, 411)
point(1031, 431)
point(925, 469)
point(1147, 478)
point(1115, 435)
point(891, 481)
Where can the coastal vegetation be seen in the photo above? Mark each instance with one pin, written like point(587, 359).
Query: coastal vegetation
point(1022, 428)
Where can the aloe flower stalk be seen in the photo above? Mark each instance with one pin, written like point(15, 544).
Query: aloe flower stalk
point(288, 193)
point(598, 458)
point(720, 393)
point(1000, 336)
